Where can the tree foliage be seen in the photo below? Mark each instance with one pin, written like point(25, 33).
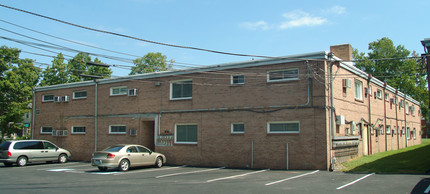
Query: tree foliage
point(17, 78)
point(151, 62)
point(390, 63)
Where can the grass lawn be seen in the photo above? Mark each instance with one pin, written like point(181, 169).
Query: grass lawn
point(414, 159)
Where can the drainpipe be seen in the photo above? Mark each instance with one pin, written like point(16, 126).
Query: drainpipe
point(406, 123)
point(385, 116)
point(33, 112)
point(95, 114)
point(397, 122)
point(331, 117)
point(369, 137)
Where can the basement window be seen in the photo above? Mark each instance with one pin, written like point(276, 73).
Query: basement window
point(283, 75)
point(121, 90)
point(117, 129)
point(280, 127)
point(181, 89)
point(78, 130)
point(186, 133)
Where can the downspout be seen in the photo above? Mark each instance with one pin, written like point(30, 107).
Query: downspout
point(406, 123)
point(369, 136)
point(33, 112)
point(95, 114)
point(397, 123)
point(385, 116)
point(331, 117)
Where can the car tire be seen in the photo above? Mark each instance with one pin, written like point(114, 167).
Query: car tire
point(8, 164)
point(103, 169)
point(124, 165)
point(22, 161)
point(62, 158)
point(159, 162)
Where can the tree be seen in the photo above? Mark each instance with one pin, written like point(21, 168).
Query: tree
point(61, 73)
point(151, 62)
point(17, 78)
point(392, 64)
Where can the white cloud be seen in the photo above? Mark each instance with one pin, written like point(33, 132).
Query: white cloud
point(337, 10)
point(260, 25)
point(300, 18)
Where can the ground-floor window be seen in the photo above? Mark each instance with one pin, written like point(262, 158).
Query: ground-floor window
point(237, 128)
point(186, 133)
point(78, 130)
point(46, 130)
point(117, 129)
point(283, 127)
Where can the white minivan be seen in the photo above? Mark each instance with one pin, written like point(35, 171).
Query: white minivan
point(23, 152)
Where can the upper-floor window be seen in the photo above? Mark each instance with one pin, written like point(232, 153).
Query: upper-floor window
point(121, 90)
point(48, 98)
point(358, 86)
point(379, 94)
point(283, 75)
point(237, 128)
point(407, 107)
point(79, 94)
point(181, 89)
point(283, 127)
point(387, 97)
point(237, 79)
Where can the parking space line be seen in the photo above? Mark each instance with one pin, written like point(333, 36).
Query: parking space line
point(192, 172)
point(44, 165)
point(353, 182)
point(151, 170)
point(235, 176)
point(65, 166)
point(294, 177)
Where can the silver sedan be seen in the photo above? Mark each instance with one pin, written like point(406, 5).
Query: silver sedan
point(125, 156)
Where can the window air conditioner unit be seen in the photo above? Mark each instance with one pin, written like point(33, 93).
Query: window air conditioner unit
point(65, 132)
point(59, 132)
point(65, 98)
point(347, 83)
point(54, 132)
point(57, 99)
point(133, 132)
point(340, 120)
point(132, 92)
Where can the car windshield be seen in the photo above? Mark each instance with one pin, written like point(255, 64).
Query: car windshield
point(5, 145)
point(113, 148)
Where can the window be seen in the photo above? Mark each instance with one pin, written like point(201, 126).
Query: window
point(79, 94)
point(358, 85)
point(117, 129)
point(78, 130)
point(115, 91)
point(408, 133)
point(283, 127)
point(46, 130)
point(48, 98)
point(283, 75)
point(237, 79)
point(388, 129)
point(379, 94)
point(24, 145)
point(407, 107)
point(182, 89)
point(414, 133)
point(346, 131)
point(387, 97)
point(186, 133)
point(237, 128)
point(413, 110)
point(49, 146)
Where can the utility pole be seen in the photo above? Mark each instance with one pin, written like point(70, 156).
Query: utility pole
point(426, 44)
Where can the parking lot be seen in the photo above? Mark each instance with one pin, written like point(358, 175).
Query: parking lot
point(74, 177)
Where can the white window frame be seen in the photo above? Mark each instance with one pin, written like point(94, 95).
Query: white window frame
point(359, 95)
point(43, 98)
point(232, 80)
point(379, 93)
point(176, 132)
point(119, 94)
point(284, 79)
point(74, 97)
point(387, 129)
point(110, 129)
point(408, 133)
point(182, 98)
point(237, 132)
point(73, 131)
point(41, 130)
point(282, 132)
point(414, 132)
point(407, 107)
point(387, 97)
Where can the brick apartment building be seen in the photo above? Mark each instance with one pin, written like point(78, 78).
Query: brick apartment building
point(269, 113)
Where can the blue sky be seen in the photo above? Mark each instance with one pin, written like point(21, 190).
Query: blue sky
point(272, 28)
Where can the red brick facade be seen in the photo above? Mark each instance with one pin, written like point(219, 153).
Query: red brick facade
point(216, 104)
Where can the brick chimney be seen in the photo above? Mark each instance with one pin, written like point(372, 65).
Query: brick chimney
point(343, 51)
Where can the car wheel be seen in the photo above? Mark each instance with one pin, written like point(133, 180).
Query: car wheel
point(159, 162)
point(124, 165)
point(103, 169)
point(62, 158)
point(22, 161)
point(7, 164)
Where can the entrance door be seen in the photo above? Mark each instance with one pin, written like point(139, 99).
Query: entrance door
point(147, 136)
